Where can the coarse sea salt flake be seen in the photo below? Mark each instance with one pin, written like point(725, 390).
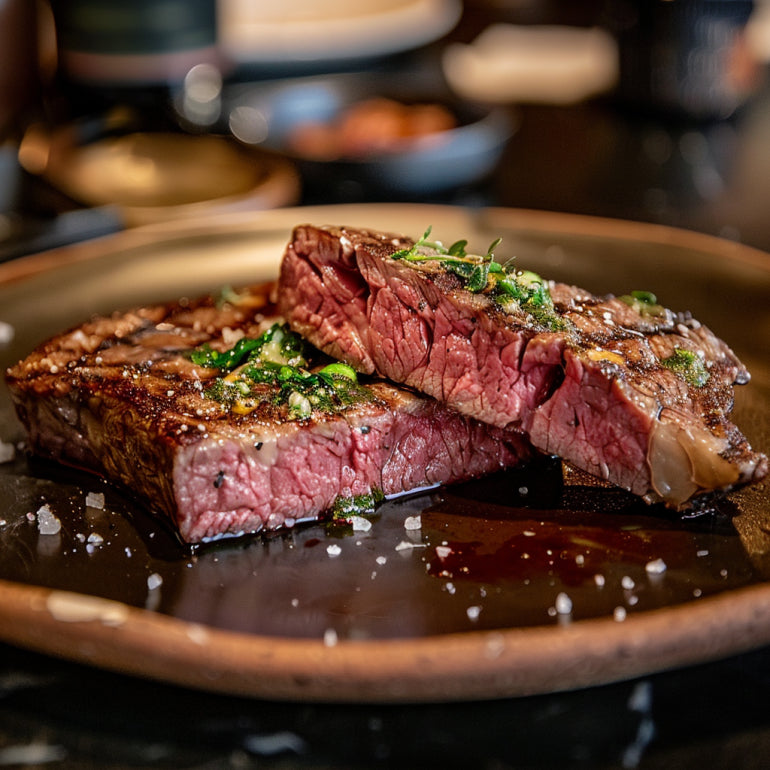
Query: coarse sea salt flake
point(333, 549)
point(7, 452)
point(473, 612)
point(563, 604)
point(443, 551)
point(95, 538)
point(47, 523)
point(360, 524)
point(154, 581)
point(95, 500)
point(413, 522)
point(7, 333)
point(655, 567)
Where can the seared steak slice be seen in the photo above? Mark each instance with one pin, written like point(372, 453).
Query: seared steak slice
point(626, 390)
point(122, 397)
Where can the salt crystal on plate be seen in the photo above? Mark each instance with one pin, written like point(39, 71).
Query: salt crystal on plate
point(330, 637)
point(333, 549)
point(7, 452)
point(95, 500)
point(473, 612)
point(442, 551)
point(563, 604)
point(413, 522)
point(360, 524)
point(7, 333)
point(655, 567)
point(154, 581)
point(47, 523)
point(95, 538)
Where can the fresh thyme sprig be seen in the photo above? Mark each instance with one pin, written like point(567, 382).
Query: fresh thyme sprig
point(482, 273)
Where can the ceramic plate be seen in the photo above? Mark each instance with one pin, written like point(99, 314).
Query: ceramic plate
point(307, 34)
point(547, 586)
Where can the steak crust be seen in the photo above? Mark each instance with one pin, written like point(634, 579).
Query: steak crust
point(593, 388)
point(120, 396)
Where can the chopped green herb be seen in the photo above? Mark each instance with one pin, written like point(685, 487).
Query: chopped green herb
point(482, 273)
point(277, 358)
point(644, 302)
point(359, 505)
point(687, 365)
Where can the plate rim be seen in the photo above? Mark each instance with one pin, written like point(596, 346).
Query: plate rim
point(508, 663)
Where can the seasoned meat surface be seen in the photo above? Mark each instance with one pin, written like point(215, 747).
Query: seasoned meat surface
point(121, 396)
point(622, 388)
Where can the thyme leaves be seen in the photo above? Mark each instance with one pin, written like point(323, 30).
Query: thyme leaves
point(510, 287)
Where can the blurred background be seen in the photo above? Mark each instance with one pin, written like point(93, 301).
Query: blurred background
point(116, 114)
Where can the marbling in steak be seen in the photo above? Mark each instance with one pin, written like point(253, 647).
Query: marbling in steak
point(594, 380)
point(120, 396)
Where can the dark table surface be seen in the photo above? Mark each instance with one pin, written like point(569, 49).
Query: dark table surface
point(598, 158)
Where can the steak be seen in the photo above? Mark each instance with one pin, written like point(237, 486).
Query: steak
point(158, 400)
point(619, 387)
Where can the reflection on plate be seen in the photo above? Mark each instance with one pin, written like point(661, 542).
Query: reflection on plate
point(531, 581)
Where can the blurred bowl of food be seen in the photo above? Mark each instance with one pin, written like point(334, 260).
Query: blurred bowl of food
point(387, 139)
point(157, 176)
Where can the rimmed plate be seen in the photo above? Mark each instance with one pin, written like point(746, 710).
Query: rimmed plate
point(382, 616)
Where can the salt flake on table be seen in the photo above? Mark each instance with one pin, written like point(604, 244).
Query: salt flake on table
point(413, 522)
point(333, 549)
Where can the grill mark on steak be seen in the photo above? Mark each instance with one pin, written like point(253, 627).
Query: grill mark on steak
point(120, 396)
point(595, 394)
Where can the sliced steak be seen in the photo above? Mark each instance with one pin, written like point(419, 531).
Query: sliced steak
point(626, 390)
point(121, 396)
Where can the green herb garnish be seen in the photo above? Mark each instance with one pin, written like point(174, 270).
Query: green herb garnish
point(479, 273)
point(644, 302)
point(687, 365)
point(344, 508)
point(278, 359)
